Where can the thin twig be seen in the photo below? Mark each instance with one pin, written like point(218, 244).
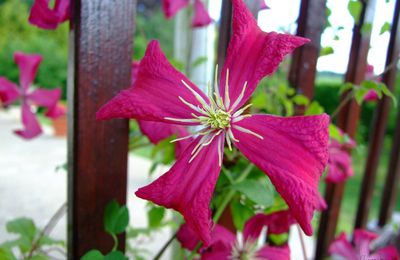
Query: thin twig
point(348, 97)
point(303, 245)
point(166, 245)
point(48, 228)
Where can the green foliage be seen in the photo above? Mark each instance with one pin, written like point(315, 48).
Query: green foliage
point(155, 216)
point(240, 214)
point(21, 36)
point(97, 255)
point(355, 8)
point(30, 240)
point(385, 28)
point(116, 218)
point(326, 51)
point(256, 190)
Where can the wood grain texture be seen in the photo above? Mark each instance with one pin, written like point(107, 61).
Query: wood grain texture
point(347, 121)
point(303, 67)
point(99, 66)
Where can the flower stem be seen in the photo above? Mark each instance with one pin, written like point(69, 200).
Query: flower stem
point(347, 98)
point(115, 238)
point(166, 245)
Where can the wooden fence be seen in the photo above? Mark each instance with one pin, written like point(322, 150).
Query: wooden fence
point(99, 66)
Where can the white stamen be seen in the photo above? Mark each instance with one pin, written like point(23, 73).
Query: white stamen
point(228, 141)
point(240, 97)
point(240, 118)
point(197, 109)
point(197, 95)
point(227, 100)
point(232, 137)
point(183, 120)
point(220, 150)
point(240, 111)
point(247, 131)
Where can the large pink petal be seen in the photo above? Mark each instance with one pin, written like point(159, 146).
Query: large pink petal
point(155, 94)
point(187, 237)
point(171, 7)
point(188, 187)
point(201, 17)
point(274, 253)
point(343, 248)
point(362, 240)
point(44, 97)
point(44, 17)
point(28, 65)
point(157, 132)
point(293, 153)
point(31, 125)
point(277, 223)
point(252, 53)
point(9, 92)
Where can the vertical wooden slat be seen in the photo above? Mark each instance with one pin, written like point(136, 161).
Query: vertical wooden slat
point(379, 126)
point(347, 121)
point(392, 180)
point(312, 18)
point(99, 66)
point(225, 31)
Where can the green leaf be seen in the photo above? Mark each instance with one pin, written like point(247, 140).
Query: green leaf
point(326, 51)
point(115, 255)
point(335, 133)
point(240, 214)
point(370, 84)
point(345, 87)
point(386, 91)
point(355, 8)
point(366, 28)
point(256, 190)
point(22, 226)
point(260, 100)
point(6, 254)
point(45, 240)
point(155, 216)
point(314, 109)
point(199, 61)
point(93, 255)
point(385, 28)
point(116, 218)
point(359, 94)
point(39, 257)
point(280, 239)
point(164, 151)
point(301, 100)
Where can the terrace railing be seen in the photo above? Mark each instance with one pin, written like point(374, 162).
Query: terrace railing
point(99, 66)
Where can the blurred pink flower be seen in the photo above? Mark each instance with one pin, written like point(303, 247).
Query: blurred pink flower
point(45, 17)
point(279, 146)
point(361, 249)
point(224, 246)
point(277, 223)
point(371, 95)
point(340, 163)
point(10, 92)
point(263, 5)
point(200, 18)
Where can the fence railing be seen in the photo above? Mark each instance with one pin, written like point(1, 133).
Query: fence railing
point(99, 66)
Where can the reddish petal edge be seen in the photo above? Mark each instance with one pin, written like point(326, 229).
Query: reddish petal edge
point(293, 153)
point(31, 125)
point(28, 65)
point(188, 188)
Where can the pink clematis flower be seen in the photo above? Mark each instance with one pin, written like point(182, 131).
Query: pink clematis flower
point(361, 249)
point(45, 17)
point(291, 151)
point(340, 163)
point(201, 17)
point(224, 246)
point(277, 223)
point(9, 93)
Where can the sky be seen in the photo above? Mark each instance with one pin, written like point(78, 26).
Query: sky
point(281, 18)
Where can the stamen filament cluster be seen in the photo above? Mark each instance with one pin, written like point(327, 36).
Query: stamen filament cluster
point(216, 115)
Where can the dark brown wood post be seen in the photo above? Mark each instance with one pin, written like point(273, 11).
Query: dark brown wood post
point(347, 121)
point(379, 127)
point(225, 31)
point(312, 18)
point(99, 66)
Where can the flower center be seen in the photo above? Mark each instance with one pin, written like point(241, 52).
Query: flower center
point(244, 251)
point(219, 119)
